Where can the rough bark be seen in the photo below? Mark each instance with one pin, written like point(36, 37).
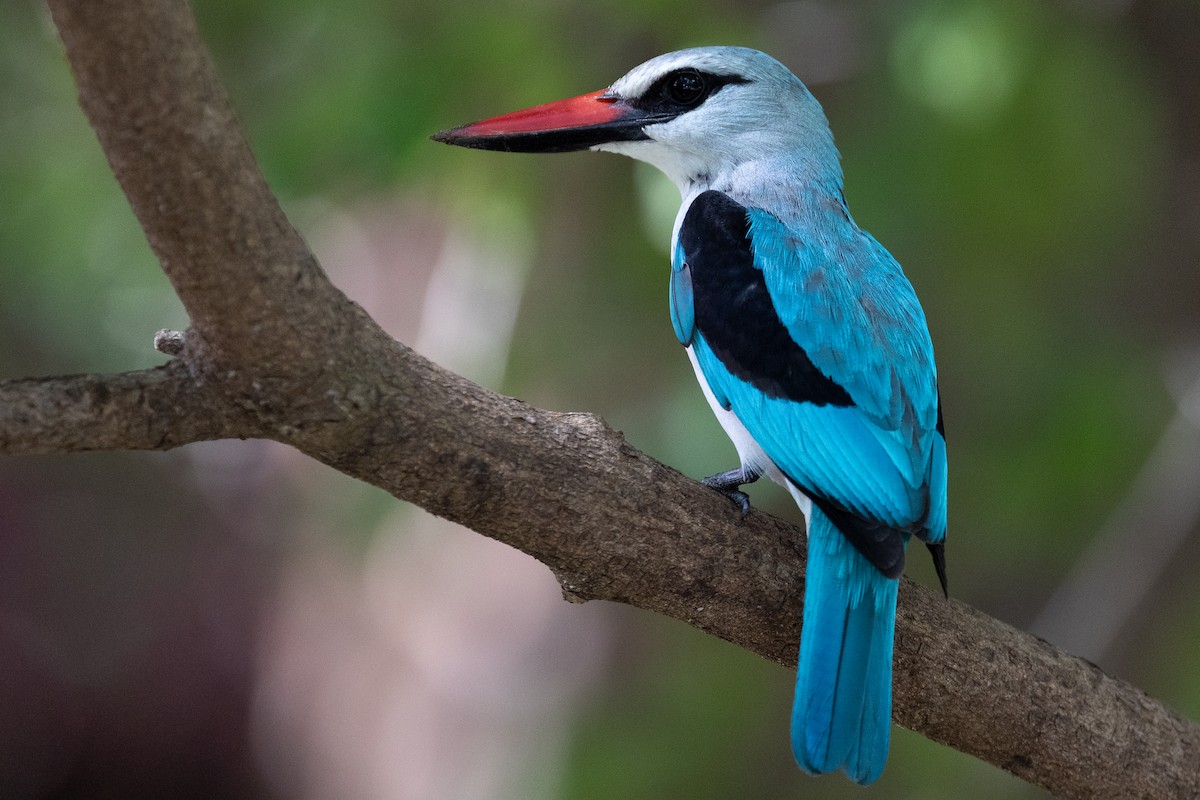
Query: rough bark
point(276, 351)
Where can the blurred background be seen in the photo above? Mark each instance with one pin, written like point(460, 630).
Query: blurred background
point(234, 620)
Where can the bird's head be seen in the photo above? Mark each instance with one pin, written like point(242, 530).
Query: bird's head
point(695, 114)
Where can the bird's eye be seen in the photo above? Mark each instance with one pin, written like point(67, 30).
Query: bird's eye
point(686, 87)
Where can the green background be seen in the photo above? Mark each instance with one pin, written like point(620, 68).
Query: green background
point(1032, 165)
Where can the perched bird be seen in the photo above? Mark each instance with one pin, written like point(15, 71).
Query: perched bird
point(807, 340)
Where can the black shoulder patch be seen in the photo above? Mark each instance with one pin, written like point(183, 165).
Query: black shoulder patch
point(734, 311)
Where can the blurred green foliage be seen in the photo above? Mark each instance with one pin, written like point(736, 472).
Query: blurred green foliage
point(1012, 155)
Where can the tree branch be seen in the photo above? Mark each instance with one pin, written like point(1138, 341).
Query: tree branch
point(154, 409)
point(276, 351)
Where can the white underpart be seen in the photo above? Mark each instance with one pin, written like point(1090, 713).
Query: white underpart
point(749, 451)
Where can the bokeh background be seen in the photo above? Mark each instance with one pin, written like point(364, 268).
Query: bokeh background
point(233, 620)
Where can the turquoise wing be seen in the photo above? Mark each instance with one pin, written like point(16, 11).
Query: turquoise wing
point(818, 345)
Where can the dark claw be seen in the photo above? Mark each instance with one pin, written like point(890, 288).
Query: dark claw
point(729, 484)
point(739, 498)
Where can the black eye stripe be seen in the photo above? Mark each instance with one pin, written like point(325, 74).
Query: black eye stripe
point(682, 90)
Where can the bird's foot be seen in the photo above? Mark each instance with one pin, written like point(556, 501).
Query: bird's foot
point(729, 483)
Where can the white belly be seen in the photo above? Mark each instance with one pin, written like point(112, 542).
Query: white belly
point(749, 451)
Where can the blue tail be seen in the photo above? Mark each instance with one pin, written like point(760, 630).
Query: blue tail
point(842, 714)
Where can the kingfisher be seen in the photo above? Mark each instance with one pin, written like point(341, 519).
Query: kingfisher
point(807, 340)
